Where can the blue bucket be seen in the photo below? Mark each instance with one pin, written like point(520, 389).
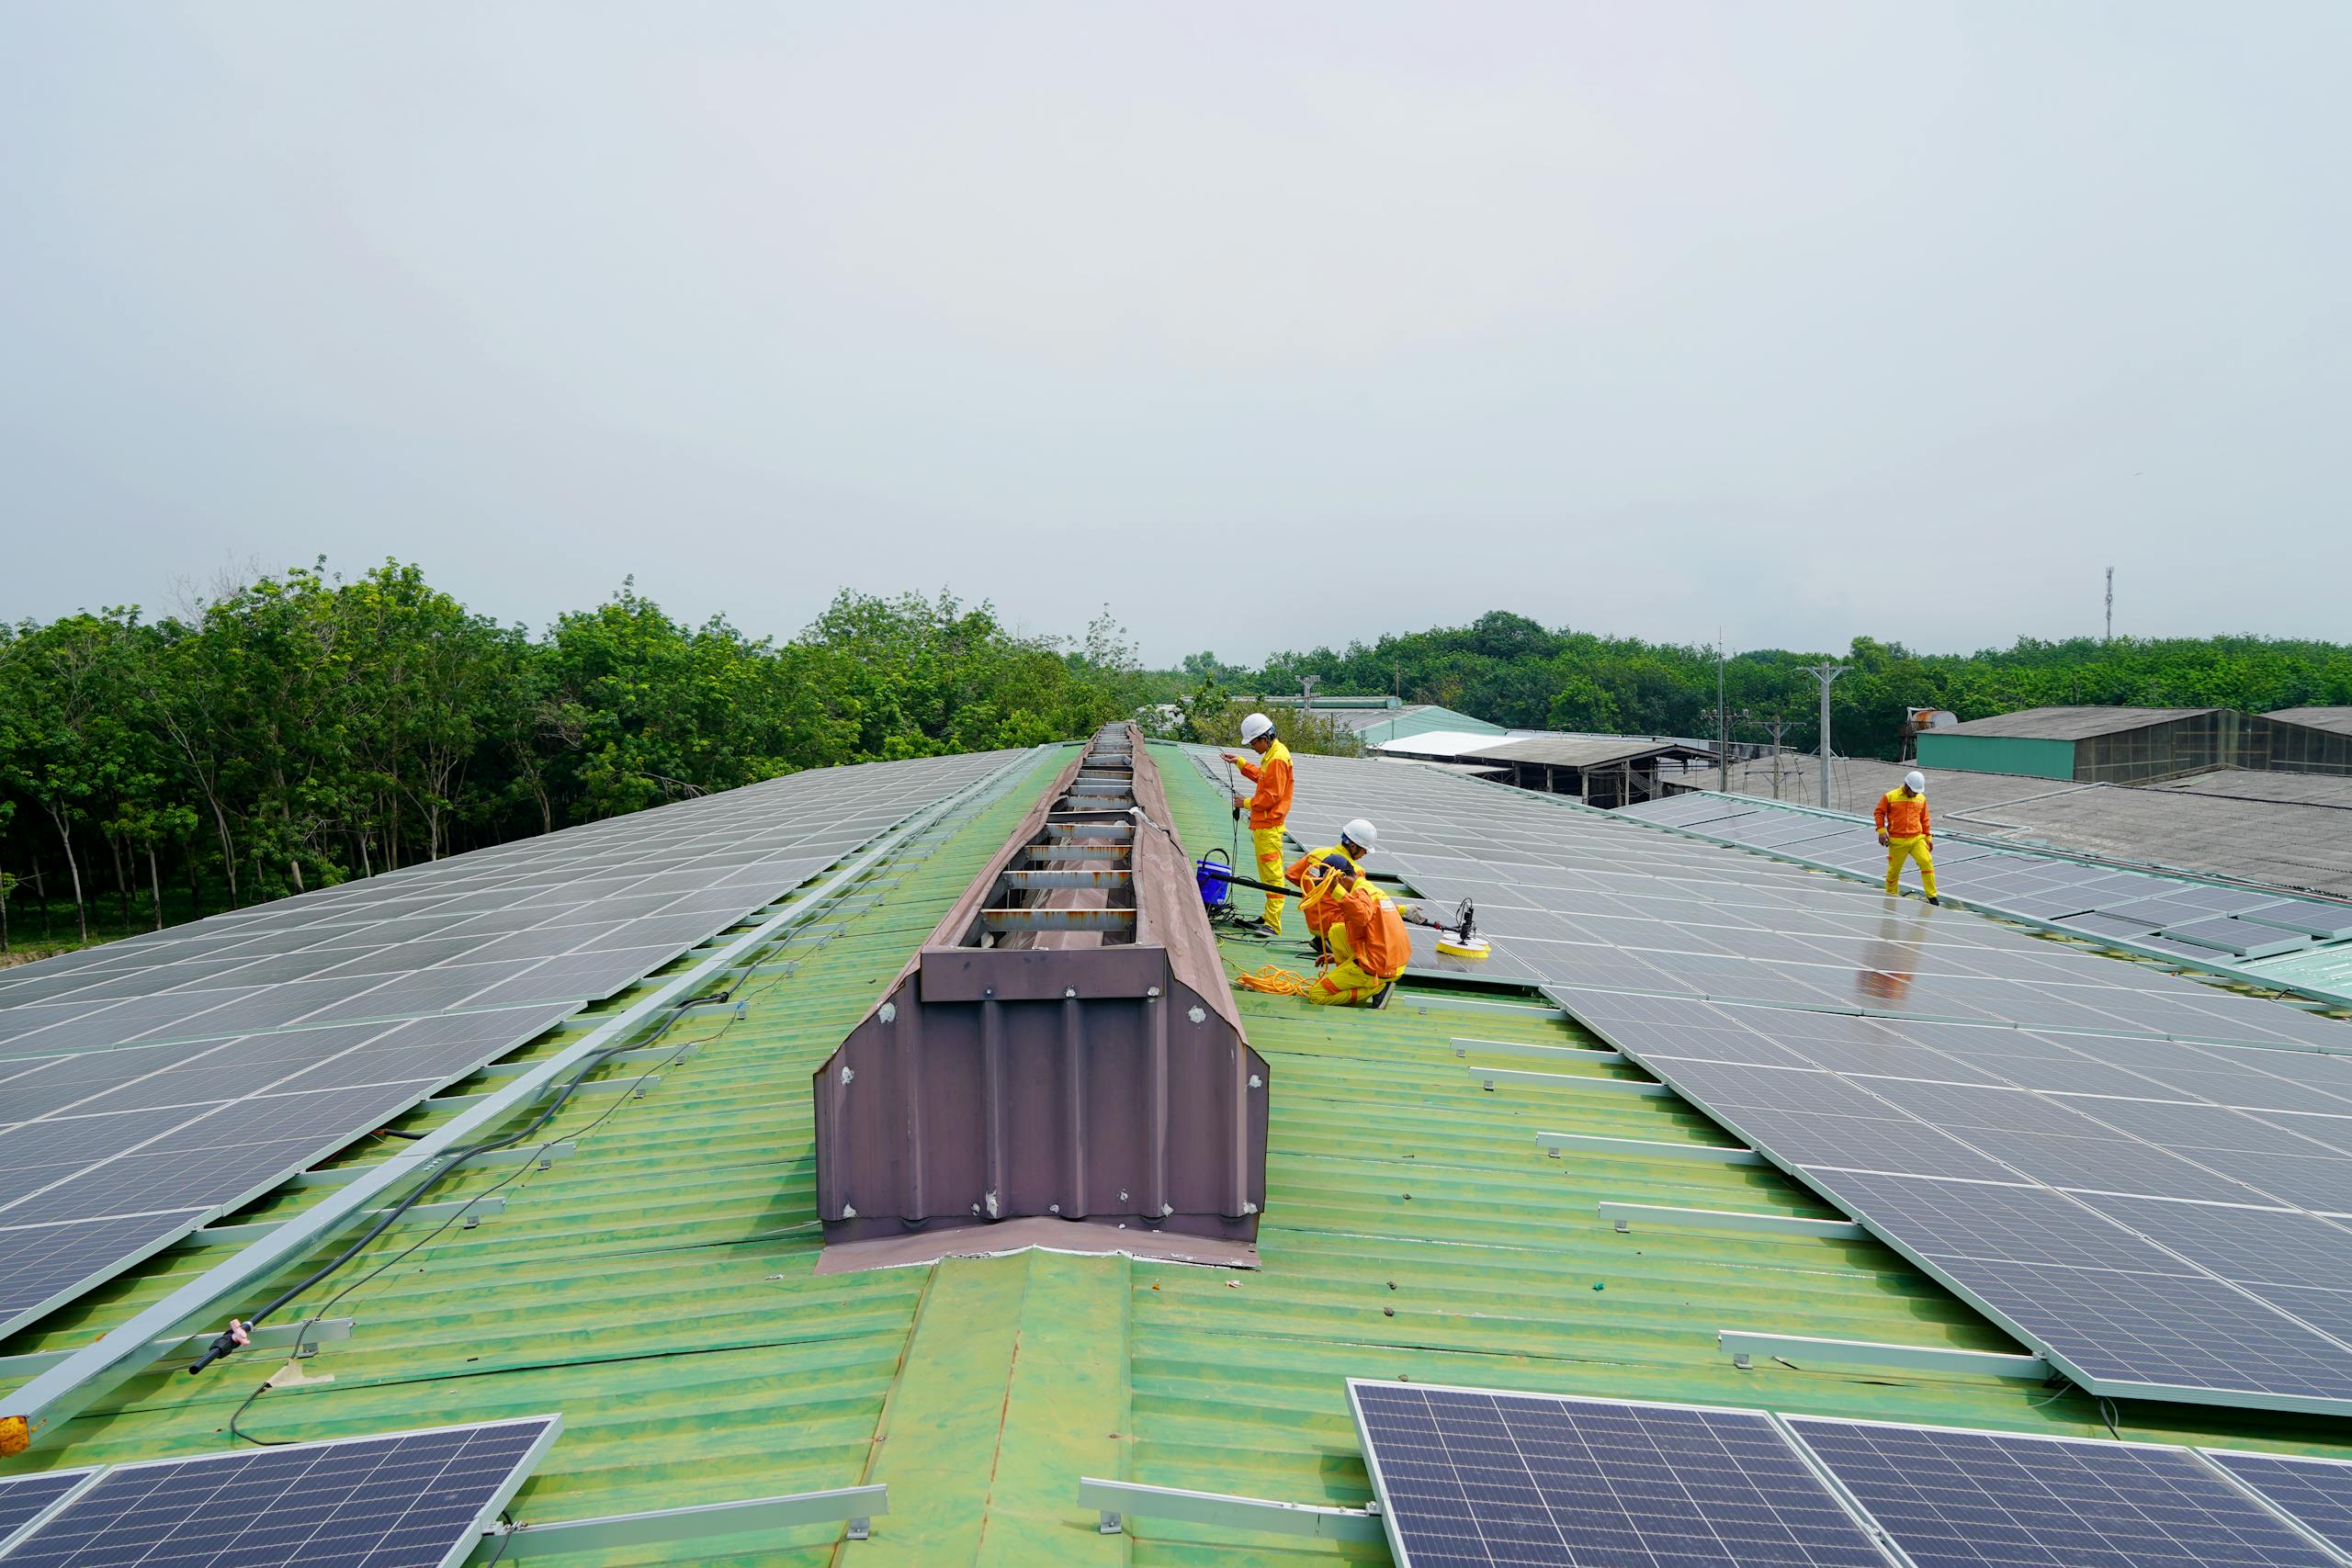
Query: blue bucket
point(1216, 892)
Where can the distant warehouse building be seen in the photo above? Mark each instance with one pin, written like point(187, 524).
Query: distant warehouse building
point(2097, 745)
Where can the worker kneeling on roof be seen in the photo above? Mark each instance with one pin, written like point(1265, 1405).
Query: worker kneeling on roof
point(1269, 808)
point(1904, 829)
point(1355, 843)
point(1368, 942)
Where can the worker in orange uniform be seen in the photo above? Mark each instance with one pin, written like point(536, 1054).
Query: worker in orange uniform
point(1368, 940)
point(1355, 843)
point(1904, 829)
point(1268, 806)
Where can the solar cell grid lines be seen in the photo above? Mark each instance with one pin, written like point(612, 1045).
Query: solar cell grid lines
point(1980, 1053)
point(24, 1497)
point(2316, 1491)
point(1961, 1499)
point(247, 1045)
point(1471, 1478)
point(406, 1500)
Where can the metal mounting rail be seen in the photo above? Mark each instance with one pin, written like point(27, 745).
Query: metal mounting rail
point(1646, 1148)
point(859, 1506)
point(1746, 1346)
point(473, 1210)
point(268, 1337)
point(1115, 1499)
point(1489, 1077)
point(1624, 1215)
point(27, 1413)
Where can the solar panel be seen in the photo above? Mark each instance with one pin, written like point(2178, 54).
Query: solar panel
point(408, 1500)
point(1471, 1478)
point(1960, 1499)
point(2245, 939)
point(23, 1498)
point(2317, 1492)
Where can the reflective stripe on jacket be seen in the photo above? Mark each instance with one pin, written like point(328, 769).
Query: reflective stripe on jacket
point(1901, 815)
point(1270, 807)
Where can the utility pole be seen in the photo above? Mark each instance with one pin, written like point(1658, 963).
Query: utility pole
point(1826, 673)
point(1776, 724)
point(2110, 604)
point(1723, 723)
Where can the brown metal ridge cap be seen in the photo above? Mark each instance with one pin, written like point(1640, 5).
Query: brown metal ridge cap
point(952, 925)
point(1170, 898)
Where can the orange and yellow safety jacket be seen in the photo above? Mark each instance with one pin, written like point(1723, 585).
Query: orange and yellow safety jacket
point(1375, 932)
point(1901, 815)
point(1270, 807)
point(1321, 913)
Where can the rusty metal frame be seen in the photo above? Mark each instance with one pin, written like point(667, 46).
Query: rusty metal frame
point(1063, 1044)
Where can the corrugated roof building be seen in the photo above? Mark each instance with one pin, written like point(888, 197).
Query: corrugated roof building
point(659, 1286)
point(2279, 830)
point(2092, 745)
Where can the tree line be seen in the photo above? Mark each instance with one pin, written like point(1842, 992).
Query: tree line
point(303, 730)
point(1511, 671)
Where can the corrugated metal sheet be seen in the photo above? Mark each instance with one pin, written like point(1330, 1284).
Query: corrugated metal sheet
point(2335, 721)
point(1574, 752)
point(2070, 723)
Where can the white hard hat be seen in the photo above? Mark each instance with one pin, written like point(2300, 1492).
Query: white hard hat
point(1916, 781)
point(1256, 724)
point(1360, 833)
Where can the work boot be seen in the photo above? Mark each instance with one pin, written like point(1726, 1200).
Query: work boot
point(1260, 928)
point(1936, 901)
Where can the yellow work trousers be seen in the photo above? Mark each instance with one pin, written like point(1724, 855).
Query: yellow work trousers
point(1344, 984)
point(1900, 850)
point(1269, 844)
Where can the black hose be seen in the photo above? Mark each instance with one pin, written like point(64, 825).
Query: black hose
point(232, 1338)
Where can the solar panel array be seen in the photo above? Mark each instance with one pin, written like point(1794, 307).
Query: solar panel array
point(2197, 921)
point(407, 1500)
point(147, 1086)
point(1479, 1478)
point(1951, 1498)
point(1472, 1478)
point(2001, 1109)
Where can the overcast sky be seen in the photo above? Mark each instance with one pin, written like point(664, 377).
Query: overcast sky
point(1268, 325)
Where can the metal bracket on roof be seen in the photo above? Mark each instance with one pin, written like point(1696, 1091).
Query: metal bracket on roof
point(475, 1211)
point(1463, 1044)
point(1115, 1499)
point(858, 1506)
point(1745, 1347)
point(1489, 1077)
point(641, 1086)
point(1645, 1148)
point(664, 1053)
point(187, 1347)
point(1422, 1001)
point(1624, 1215)
point(541, 1155)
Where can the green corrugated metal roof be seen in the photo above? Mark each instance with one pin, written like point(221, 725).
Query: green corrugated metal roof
point(657, 1289)
point(1421, 719)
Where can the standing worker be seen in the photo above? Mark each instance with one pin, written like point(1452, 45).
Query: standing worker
point(1269, 809)
point(1355, 843)
point(1368, 939)
point(1904, 829)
